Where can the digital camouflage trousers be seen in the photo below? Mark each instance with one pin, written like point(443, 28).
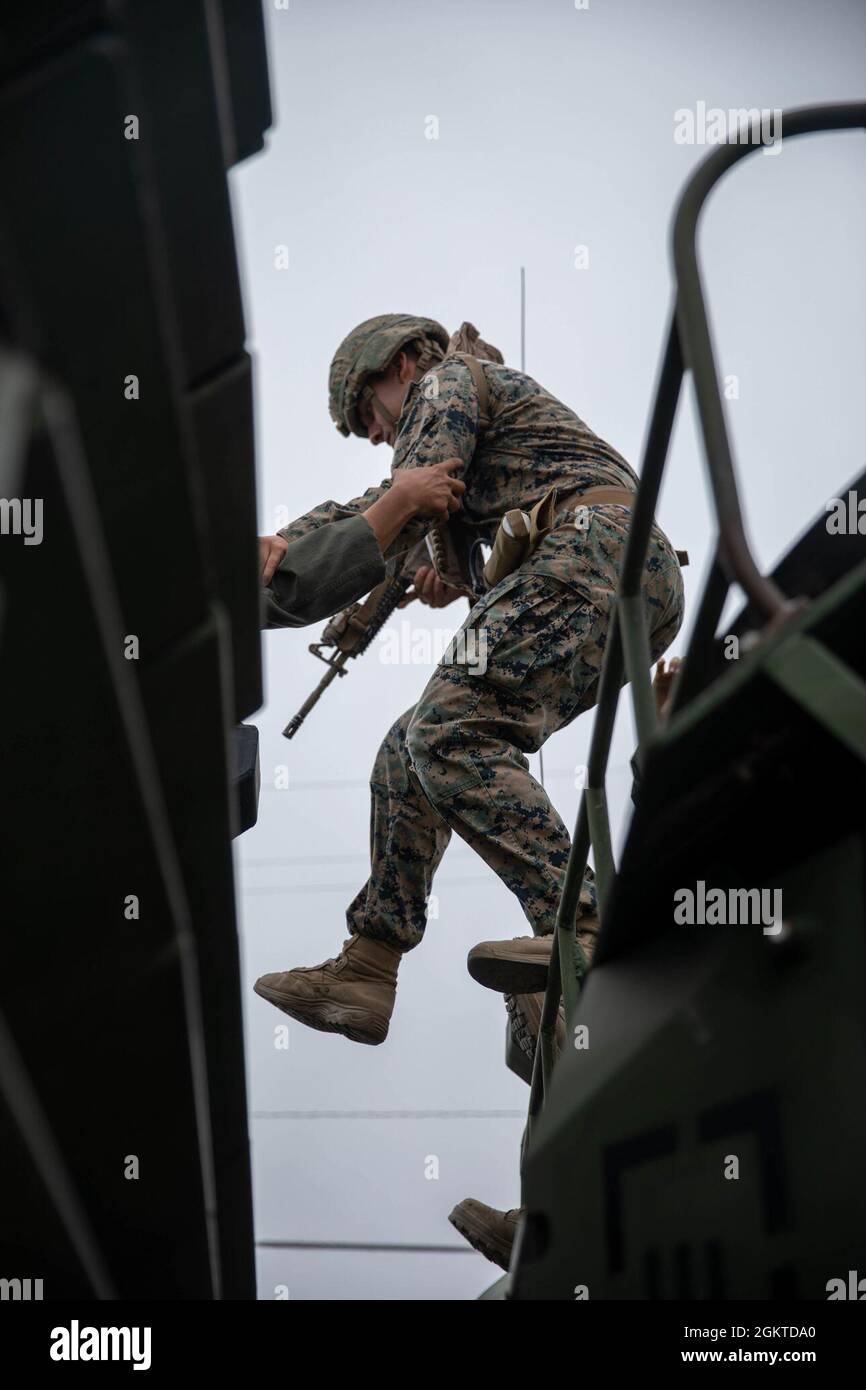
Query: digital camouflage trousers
point(526, 662)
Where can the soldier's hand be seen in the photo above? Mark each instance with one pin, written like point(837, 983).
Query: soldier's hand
point(431, 491)
point(432, 590)
point(663, 684)
point(271, 551)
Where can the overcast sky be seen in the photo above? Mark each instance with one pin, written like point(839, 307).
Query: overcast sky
point(555, 131)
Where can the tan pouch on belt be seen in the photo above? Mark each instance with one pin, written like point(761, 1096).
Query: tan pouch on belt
point(541, 518)
point(518, 535)
point(510, 548)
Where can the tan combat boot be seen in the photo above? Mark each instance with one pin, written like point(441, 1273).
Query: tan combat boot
point(488, 1230)
point(524, 1010)
point(520, 966)
point(524, 1017)
point(352, 994)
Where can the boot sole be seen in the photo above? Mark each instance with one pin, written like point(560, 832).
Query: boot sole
point(508, 976)
point(521, 1032)
point(479, 1241)
point(327, 1017)
point(524, 1036)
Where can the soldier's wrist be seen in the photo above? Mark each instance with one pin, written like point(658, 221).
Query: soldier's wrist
point(387, 516)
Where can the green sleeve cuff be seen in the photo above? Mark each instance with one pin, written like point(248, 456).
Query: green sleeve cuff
point(323, 573)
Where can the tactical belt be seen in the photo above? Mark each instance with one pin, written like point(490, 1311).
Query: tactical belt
point(520, 533)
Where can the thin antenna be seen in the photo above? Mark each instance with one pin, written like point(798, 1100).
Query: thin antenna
point(523, 369)
point(522, 319)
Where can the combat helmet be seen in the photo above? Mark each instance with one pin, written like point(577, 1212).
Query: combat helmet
point(368, 349)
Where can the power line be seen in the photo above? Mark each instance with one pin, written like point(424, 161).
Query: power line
point(388, 1114)
point(329, 887)
point(316, 860)
point(320, 786)
point(367, 1246)
point(339, 784)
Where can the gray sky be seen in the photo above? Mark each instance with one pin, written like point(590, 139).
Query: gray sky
point(555, 130)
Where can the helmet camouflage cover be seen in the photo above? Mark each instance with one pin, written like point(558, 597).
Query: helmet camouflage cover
point(368, 349)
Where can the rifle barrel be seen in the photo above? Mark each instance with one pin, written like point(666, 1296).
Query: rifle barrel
point(335, 668)
point(384, 600)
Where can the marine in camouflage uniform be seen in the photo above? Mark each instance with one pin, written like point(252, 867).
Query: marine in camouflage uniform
point(457, 760)
point(532, 651)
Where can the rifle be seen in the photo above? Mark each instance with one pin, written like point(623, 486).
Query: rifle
point(349, 634)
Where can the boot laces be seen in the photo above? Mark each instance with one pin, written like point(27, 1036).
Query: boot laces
point(342, 955)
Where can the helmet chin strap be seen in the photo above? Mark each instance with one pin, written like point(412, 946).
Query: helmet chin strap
point(382, 411)
point(379, 406)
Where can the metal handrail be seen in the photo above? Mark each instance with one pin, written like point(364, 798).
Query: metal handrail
point(688, 347)
point(696, 340)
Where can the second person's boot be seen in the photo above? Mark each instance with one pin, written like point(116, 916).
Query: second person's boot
point(524, 1021)
point(489, 1231)
point(520, 966)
